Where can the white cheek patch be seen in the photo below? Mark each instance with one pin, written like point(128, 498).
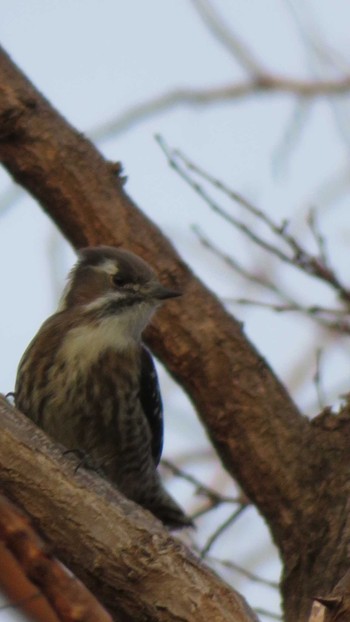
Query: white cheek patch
point(102, 301)
point(83, 345)
point(117, 331)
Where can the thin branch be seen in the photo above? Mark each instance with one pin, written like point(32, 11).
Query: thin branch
point(292, 133)
point(318, 237)
point(173, 157)
point(246, 573)
point(300, 258)
point(337, 325)
point(202, 489)
point(220, 530)
point(228, 38)
point(314, 39)
point(282, 308)
point(168, 101)
point(219, 94)
point(214, 498)
point(266, 612)
point(333, 189)
point(318, 381)
point(234, 264)
point(321, 59)
point(332, 319)
point(259, 81)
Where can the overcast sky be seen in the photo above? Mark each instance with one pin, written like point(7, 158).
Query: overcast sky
point(95, 59)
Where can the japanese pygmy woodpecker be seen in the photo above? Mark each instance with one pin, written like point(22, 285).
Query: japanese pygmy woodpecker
point(88, 380)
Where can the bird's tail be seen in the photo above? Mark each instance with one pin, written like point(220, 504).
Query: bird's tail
point(162, 505)
point(169, 512)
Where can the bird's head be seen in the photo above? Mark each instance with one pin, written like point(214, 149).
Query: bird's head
point(110, 282)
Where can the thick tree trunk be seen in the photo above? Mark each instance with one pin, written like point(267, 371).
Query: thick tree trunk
point(296, 472)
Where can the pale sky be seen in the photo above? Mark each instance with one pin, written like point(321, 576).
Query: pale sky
point(94, 59)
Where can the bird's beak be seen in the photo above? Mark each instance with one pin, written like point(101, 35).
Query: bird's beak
point(159, 292)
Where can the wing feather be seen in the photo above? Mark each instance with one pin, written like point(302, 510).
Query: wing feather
point(151, 402)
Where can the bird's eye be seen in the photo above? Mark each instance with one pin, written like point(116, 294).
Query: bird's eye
point(118, 280)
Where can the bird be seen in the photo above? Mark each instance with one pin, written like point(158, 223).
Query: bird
point(88, 380)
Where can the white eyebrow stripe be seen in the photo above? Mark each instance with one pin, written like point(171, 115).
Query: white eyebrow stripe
point(108, 266)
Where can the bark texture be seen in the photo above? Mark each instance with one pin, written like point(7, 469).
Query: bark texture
point(120, 551)
point(70, 599)
point(296, 472)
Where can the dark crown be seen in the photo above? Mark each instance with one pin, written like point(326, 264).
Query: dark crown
point(118, 274)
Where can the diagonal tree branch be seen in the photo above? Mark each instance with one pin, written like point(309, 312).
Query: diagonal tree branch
point(84, 196)
point(295, 472)
point(71, 601)
point(120, 551)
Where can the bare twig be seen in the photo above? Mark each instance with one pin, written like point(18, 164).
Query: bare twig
point(246, 573)
point(296, 255)
point(269, 614)
point(314, 40)
point(322, 59)
point(336, 323)
point(282, 308)
point(332, 319)
point(221, 529)
point(168, 101)
point(318, 237)
point(259, 80)
point(201, 489)
point(318, 380)
point(295, 125)
point(232, 262)
point(228, 38)
point(333, 189)
point(206, 96)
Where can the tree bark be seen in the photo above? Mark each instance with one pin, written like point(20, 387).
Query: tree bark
point(295, 472)
point(70, 599)
point(120, 551)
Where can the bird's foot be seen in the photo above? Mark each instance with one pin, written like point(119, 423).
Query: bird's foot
point(84, 460)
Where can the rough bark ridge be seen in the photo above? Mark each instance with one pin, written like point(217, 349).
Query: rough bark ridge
point(295, 472)
point(120, 551)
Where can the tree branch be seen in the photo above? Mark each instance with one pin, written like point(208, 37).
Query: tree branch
point(83, 195)
point(254, 86)
point(295, 472)
point(259, 80)
point(120, 551)
point(71, 601)
point(228, 38)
